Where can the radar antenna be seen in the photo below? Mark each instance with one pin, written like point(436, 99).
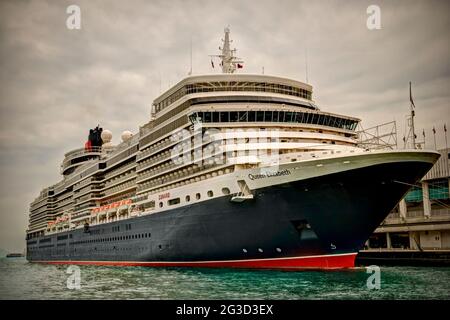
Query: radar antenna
point(229, 62)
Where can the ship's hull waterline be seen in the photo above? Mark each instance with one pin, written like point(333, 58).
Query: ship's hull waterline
point(316, 222)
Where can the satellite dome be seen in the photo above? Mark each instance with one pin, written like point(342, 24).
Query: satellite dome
point(106, 136)
point(126, 135)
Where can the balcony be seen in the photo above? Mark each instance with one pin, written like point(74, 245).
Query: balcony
point(154, 148)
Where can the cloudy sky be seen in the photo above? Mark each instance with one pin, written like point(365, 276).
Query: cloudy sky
point(57, 83)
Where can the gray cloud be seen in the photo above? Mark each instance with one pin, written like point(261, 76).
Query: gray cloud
point(57, 83)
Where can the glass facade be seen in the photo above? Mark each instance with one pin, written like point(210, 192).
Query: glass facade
point(233, 86)
point(275, 116)
point(438, 189)
point(414, 195)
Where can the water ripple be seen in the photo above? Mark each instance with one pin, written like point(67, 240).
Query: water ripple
point(22, 280)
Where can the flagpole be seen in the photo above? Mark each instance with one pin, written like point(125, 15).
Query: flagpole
point(445, 135)
point(434, 135)
point(423, 132)
point(306, 64)
point(412, 117)
point(190, 70)
point(446, 149)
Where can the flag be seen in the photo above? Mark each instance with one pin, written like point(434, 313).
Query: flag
point(423, 133)
point(212, 63)
point(410, 96)
point(240, 66)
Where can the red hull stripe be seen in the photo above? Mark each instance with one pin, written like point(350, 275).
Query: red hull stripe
point(321, 262)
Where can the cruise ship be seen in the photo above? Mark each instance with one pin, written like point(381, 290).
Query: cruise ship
point(231, 170)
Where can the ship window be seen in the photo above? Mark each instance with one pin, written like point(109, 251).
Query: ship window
point(224, 117)
point(243, 116)
point(289, 116)
point(225, 191)
point(275, 116)
point(260, 116)
point(197, 196)
point(234, 116)
point(160, 204)
point(188, 198)
point(251, 116)
point(210, 193)
point(321, 118)
point(174, 201)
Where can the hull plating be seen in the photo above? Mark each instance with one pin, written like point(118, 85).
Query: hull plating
point(319, 222)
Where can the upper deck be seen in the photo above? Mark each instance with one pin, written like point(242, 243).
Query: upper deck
point(230, 84)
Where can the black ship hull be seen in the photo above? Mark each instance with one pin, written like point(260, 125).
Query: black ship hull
point(319, 222)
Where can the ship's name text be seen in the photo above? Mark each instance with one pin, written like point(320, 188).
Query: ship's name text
point(269, 174)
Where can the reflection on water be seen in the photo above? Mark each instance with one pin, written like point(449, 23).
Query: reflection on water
point(22, 280)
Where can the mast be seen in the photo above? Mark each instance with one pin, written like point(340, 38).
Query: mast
point(413, 133)
point(229, 61)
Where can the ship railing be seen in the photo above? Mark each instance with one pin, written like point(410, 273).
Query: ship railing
point(171, 167)
point(120, 170)
point(81, 151)
point(161, 157)
point(155, 148)
point(383, 136)
point(440, 212)
point(120, 178)
point(120, 187)
point(78, 153)
point(123, 145)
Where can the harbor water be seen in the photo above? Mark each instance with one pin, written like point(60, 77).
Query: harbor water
point(22, 280)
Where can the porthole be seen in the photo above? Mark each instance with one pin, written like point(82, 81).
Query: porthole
point(225, 191)
point(210, 193)
point(160, 204)
point(278, 250)
point(260, 250)
point(188, 198)
point(197, 196)
point(244, 250)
